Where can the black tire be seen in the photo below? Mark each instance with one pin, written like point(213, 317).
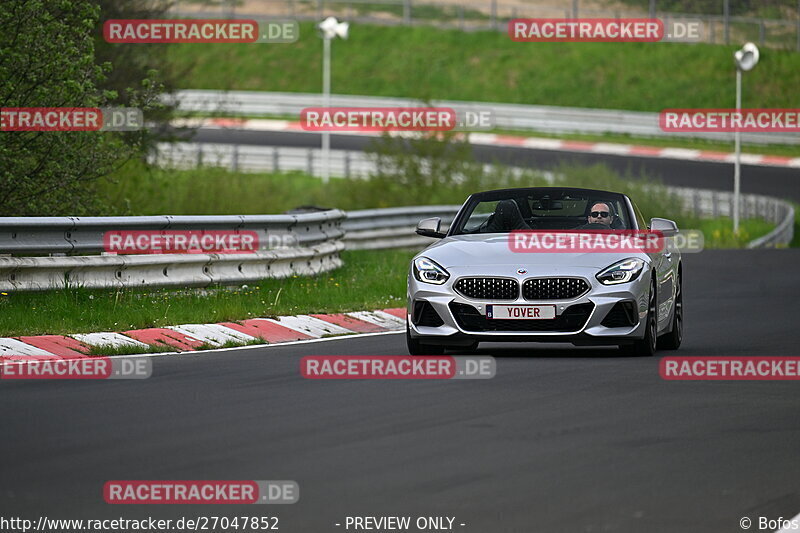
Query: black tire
point(672, 340)
point(646, 347)
point(417, 348)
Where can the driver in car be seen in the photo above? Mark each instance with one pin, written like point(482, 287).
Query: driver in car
point(601, 216)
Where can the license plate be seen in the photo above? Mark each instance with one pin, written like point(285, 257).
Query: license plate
point(521, 312)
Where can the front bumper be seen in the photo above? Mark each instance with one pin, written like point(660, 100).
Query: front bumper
point(579, 320)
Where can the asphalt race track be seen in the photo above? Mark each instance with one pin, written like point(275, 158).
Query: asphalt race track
point(782, 182)
point(562, 439)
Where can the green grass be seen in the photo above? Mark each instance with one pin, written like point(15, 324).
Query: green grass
point(796, 236)
point(369, 280)
point(718, 232)
point(423, 62)
point(107, 350)
point(140, 190)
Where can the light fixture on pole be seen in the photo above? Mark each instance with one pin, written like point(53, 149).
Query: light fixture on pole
point(330, 28)
point(745, 60)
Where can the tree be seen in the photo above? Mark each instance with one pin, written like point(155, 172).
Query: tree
point(137, 75)
point(47, 60)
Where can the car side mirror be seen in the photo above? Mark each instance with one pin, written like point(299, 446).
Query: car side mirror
point(429, 227)
point(667, 227)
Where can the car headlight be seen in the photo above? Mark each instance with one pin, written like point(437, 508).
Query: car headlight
point(428, 271)
point(621, 272)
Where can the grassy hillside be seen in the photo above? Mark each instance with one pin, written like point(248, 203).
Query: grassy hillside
point(426, 63)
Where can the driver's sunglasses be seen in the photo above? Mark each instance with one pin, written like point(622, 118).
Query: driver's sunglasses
point(599, 214)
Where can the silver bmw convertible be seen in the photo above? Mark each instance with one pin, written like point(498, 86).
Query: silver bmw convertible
point(524, 265)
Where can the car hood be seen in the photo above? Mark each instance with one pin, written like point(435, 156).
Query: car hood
point(493, 249)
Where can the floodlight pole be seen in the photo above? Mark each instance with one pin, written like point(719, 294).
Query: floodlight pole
point(745, 59)
point(737, 165)
point(326, 103)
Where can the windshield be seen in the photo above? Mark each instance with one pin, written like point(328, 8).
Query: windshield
point(506, 211)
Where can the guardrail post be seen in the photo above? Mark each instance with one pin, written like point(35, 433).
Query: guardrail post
point(199, 155)
point(712, 30)
point(275, 164)
point(461, 17)
point(319, 9)
point(407, 12)
point(347, 164)
point(726, 14)
point(310, 162)
point(235, 158)
point(494, 14)
point(714, 205)
point(652, 10)
point(696, 204)
point(574, 9)
point(761, 33)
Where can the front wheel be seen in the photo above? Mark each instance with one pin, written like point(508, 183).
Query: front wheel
point(417, 348)
point(646, 347)
point(672, 340)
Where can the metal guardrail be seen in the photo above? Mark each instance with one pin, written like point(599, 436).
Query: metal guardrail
point(73, 235)
point(301, 244)
point(719, 28)
point(373, 229)
point(703, 203)
point(550, 119)
point(164, 270)
point(260, 158)
point(254, 158)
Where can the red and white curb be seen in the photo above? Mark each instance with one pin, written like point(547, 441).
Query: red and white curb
point(536, 143)
point(189, 337)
